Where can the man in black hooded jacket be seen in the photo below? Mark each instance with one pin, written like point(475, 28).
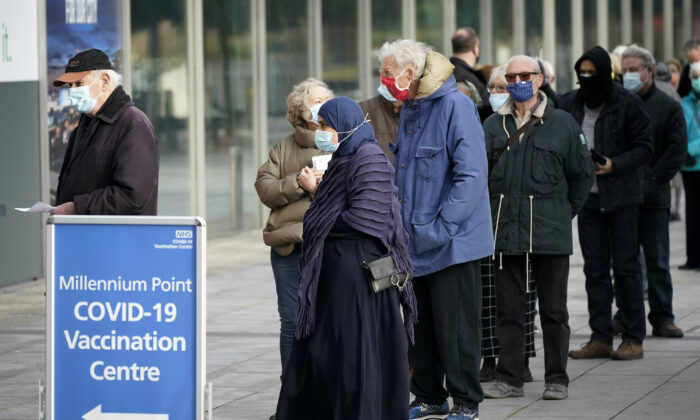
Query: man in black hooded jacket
point(617, 128)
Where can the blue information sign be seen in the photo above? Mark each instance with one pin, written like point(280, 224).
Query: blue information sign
point(125, 320)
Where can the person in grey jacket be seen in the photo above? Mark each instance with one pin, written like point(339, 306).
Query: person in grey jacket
point(538, 182)
point(663, 78)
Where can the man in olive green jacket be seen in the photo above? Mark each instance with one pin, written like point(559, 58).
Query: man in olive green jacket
point(537, 185)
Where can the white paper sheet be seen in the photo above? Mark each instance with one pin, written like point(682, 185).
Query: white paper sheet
point(39, 207)
point(321, 162)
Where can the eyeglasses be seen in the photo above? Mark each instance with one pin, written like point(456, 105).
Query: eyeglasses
point(524, 76)
point(496, 88)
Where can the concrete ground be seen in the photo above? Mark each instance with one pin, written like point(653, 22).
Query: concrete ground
point(243, 356)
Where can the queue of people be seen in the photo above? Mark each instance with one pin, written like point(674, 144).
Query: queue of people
point(444, 219)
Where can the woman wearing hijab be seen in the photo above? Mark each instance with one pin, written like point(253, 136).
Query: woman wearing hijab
point(349, 358)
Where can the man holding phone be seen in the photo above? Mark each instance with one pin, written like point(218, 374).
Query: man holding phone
point(617, 129)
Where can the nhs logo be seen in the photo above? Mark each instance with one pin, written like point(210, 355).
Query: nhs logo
point(183, 234)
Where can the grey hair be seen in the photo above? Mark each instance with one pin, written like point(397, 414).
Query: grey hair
point(619, 50)
point(639, 52)
point(548, 67)
point(692, 44)
point(498, 73)
point(114, 77)
point(298, 112)
point(535, 65)
point(695, 69)
point(406, 52)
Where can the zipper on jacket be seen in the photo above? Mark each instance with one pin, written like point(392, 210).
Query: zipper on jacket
point(506, 130)
point(527, 255)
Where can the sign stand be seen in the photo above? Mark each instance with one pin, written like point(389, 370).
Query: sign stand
point(126, 318)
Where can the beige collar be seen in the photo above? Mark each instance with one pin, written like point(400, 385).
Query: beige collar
point(509, 106)
point(304, 137)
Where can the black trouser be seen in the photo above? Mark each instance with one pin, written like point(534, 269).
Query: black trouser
point(606, 236)
point(691, 184)
point(654, 238)
point(551, 274)
point(448, 336)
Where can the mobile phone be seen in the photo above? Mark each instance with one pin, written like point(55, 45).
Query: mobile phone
point(597, 157)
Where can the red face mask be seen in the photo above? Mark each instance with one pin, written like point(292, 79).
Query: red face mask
point(398, 93)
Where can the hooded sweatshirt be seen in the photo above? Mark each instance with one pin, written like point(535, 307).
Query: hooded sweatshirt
point(595, 89)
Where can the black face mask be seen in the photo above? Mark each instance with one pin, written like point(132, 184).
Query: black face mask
point(595, 90)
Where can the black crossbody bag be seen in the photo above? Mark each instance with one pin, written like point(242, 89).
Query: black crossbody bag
point(383, 273)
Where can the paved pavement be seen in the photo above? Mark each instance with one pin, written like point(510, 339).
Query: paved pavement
point(243, 356)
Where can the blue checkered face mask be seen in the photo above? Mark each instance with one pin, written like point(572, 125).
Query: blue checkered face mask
point(520, 91)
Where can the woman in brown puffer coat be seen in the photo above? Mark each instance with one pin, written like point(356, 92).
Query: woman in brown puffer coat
point(286, 183)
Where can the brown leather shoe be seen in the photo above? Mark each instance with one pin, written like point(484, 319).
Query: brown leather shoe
point(592, 350)
point(668, 330)
point(628, 351)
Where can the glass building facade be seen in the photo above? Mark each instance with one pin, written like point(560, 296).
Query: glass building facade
point(240, 58)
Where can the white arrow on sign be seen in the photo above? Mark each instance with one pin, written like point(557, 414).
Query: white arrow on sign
point(97, 414)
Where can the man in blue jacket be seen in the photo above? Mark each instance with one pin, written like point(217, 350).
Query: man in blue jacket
point(441, 174)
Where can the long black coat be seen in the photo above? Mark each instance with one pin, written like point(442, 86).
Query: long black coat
point(112, 168)
point(670, 145)
point(623, 134)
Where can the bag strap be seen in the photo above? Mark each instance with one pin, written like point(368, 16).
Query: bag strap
point(497, 154)
point(362, 255)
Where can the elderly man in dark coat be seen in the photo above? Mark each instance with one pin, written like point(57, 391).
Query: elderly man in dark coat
point(670, 142)
point(111, 163)
point(540, 176)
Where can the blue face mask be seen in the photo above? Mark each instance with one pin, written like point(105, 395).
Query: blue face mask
point(520, 91)
point(632, 81)
point(497, 100)
point(314, 113)
point(324, 141)
point(385, 93)
point(695, 83)
point(81, 100)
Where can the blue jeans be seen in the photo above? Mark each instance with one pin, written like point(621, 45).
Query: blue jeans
point(286, 271)
point(605, 237)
